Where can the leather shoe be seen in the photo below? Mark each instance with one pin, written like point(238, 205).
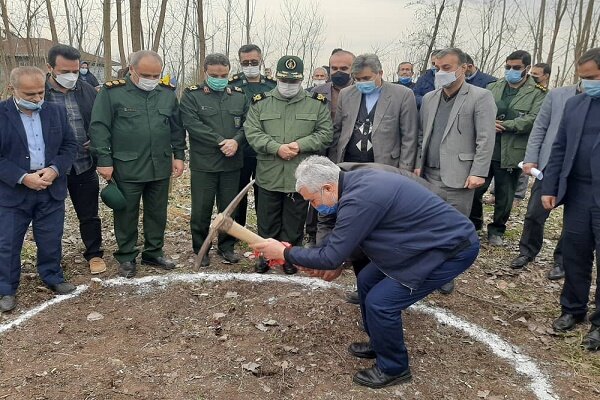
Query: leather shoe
point(160, 262)
point(289, 269)
point(520, 261)
point(7, 303)
point(556, 273)
point(591, 341)
point(127, 269)
point(567, 321)
point(229, 256)
point(495, 240)
point(353, 297)
point(376, 378)
point(261, 266)
point(362, 350)
point(63, 288)
point(447, 288)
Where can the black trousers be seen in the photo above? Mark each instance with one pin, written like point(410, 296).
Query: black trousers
point(506, 184)
point(84, 189)
point(247, 173)
point(532, 236)
point(581, 237)
point(281, 216)
point(311, 222)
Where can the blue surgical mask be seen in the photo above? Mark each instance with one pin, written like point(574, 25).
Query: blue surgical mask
point(366, 87)
point(325, 209)
point(29, 105)
point(513, 76)
point(434, 69)
point(405, 80)
point(217, 84)
point(591, 87)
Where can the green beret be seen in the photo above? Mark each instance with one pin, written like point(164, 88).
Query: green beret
point(113, 197)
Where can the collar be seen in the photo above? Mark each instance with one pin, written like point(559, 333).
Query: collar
point(340, 185)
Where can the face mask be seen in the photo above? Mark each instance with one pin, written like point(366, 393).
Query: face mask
point(83, 71)
point(366, 87)
point(251, 71)
point(67, 80)
point(325, 209)
point(405, 80)
point(470, 77)
point(146, 84)
point(444, 79)
point(288, 90)
point(28, 105)
point(514, 76)
point(434, 69)
point(591, 87)
point(340, 79)
point(318, 82)
point(217, 84)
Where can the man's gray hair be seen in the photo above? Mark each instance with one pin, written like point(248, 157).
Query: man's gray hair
point(18, 72)
point(315, 172)
point(135, 58)
point(461, 55)
point(321, 69)
point(366, 61)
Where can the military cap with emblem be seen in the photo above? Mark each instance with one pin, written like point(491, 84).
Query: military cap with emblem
point(112, 196)
point(290, 67)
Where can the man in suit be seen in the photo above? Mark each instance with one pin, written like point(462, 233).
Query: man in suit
point(425, 83)
point(536, 156)
point(572, 178)
point(405, 74)
point(457, 134)
point(375, 121)
point(476, 77)
point(37, 149)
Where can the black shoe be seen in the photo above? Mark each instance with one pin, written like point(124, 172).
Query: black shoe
point(353, 297)
point(261, 266)
point(376, 378)
point(362, 350)
point(63, 288)
point(447, 288)
point(591, 341)
point(229, 256)
point(160, 262)
point(311, 243)
point(556, 273)
point(520, 261)
point(289, 269)
point(566, 322)
point(7, 303)
point(127, 269)
point(495, 240)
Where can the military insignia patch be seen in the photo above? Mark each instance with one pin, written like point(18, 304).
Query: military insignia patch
point(234, 78)
point(192, 88)
point(238, 89)
point(257, 97)
point(237, 122)
point(320, 96)
point(543, 89)
point(290, 64)
point(115, 83)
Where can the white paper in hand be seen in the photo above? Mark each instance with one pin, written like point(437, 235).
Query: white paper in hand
point(534, 171)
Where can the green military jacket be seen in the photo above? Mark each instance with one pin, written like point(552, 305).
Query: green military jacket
point(136, 132)
point(526, 104)
point(272, 121)
point(209, 118)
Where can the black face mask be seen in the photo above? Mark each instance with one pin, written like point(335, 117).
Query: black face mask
point(340, 78)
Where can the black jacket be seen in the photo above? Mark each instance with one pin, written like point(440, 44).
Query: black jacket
point(85, 95)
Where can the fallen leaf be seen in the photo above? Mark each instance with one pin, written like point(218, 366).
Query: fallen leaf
point(251, 366)
point(261, 327)
point(95, 316)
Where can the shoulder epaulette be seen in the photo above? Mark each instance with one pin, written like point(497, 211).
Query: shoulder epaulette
point(192, 88)
point(234, 78)
point(238, 89)
point(167, 85)
point(258, 97)
point(542, 88)
point(319, 96)
point(115, 83)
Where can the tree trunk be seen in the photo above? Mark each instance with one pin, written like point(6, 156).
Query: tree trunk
point(181, 79)
point(11, 60)
point(160, 25)
point(436, 27)
point(561, 8)
point(584, 33)
point(499, 47)
point(122, 56)
point(51, 21)
point(68, 17)
point(107, 41)
point(458, 11)
point(201, 39)
point(247, 21)
point(539, 39)
point(135, 17)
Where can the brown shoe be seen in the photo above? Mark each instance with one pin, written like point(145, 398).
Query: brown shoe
point(97, 265)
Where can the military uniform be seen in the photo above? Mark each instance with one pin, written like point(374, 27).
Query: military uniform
point(209, 118)
point(138, 133)
point(274, 120)
point(248, 171)
point(517, 109)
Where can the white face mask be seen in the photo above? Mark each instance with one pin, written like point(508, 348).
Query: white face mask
point(445, 79)
point(288, 90)
point(318, 82)
point(67, 80)
point(146, 84)
point(251, 71)
point(83, 71)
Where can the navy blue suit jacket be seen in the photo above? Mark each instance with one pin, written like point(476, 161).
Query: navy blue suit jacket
point(481, 79)
point(424, 85)
point(405, 230)
point(61, 149)
point(564, 150)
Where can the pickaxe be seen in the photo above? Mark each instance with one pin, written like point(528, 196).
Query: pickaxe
point(224, 223)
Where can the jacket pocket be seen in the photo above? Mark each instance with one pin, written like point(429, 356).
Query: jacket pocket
point(306, 117)
point(207, 111)
point(268, 117)
point(466, 156)
point(395, 153)
point(125, 155)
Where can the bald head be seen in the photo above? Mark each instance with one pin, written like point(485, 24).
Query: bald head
point(27, 83)
point(19, 74)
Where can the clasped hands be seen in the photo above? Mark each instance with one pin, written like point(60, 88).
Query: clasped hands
point(274, 250)
point(288, 151)
point(41, 179)
point(229, 147)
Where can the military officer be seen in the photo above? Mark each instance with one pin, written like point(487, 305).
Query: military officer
point(253, 83)
point(213, 114)
point(285, 126)
point(139, 142)
point(518, 99)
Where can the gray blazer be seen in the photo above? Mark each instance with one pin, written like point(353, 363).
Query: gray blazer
point(546, 125)
point(395, 126)
point(468, 141)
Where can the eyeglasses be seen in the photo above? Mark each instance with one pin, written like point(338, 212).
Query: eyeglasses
point(515, 67)
point(248, 63)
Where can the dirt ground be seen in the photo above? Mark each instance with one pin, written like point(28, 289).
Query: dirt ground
point(243, 340)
